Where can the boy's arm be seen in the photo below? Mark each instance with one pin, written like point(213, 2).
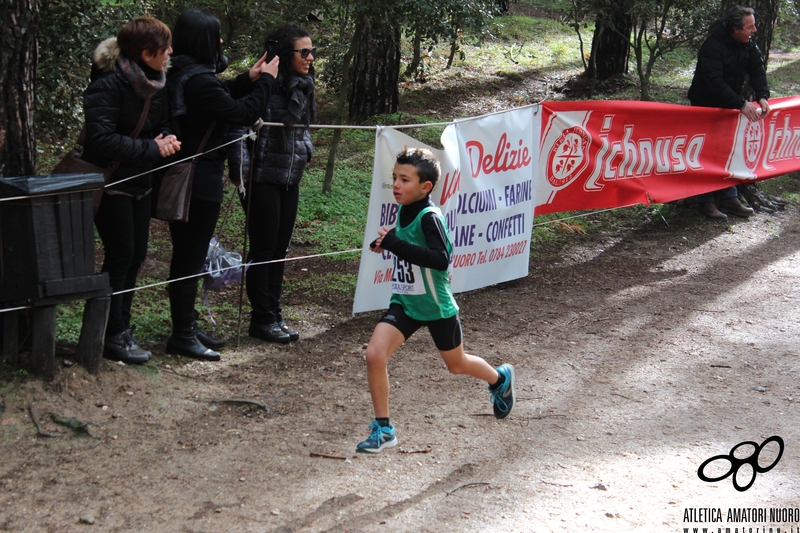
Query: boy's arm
point(434, 255)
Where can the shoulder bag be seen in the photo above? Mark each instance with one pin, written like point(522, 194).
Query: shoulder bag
point(172, 191)
point(73, 163)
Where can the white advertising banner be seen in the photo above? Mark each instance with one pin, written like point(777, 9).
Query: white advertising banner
point(486, 193)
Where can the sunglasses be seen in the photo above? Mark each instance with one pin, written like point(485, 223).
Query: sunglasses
point(305, 51)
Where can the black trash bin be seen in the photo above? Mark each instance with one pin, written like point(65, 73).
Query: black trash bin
point(47, 258)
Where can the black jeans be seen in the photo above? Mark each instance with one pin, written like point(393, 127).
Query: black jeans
point(272, 213)
point(189, 248)
point(123, 223)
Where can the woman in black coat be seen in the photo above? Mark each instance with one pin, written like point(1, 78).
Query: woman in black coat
point(126, 70)
point(200, 102)
point(281, 154)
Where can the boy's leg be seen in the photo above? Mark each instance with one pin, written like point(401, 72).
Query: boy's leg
point(460, 362)
point(502, 391)
point(386, 339)
point(449, 340)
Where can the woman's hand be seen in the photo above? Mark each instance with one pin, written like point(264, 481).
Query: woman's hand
point(262, 67)
point(167, 145)
point(271, 68)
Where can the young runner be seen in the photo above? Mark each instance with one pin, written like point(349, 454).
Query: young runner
point(421, 296)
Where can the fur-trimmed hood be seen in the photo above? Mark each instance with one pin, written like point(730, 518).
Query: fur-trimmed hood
point(106, 54)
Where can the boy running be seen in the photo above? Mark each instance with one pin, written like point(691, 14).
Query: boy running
point(421, 296)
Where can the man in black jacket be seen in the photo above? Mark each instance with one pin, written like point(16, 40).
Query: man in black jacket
point(726, 57)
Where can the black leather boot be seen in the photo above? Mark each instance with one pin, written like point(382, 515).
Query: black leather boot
point(186, 343)
point(184, 339)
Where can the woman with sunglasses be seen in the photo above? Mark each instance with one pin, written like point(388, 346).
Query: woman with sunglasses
point(203, 107)
point(271, 201)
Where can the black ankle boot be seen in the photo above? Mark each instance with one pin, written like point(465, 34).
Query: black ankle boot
point(184, 340)
point(186, 343)
point(269, 332)
point(123, 347)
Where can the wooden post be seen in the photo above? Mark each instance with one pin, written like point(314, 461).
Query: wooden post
point(43, 348)
point(10, 346)
point(93, 332)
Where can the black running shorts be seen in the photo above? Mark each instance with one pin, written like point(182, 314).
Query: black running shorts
point(446, 332)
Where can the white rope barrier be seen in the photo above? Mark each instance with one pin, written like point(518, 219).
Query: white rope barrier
point(582, 215)
point(203, 274)
point(243, 137)
point(15, 309)
point(299, 258)
point(237, 267)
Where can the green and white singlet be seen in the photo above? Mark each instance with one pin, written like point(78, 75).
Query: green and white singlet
point(424, 293)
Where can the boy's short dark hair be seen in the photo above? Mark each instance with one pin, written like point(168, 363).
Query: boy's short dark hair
point(423, 160)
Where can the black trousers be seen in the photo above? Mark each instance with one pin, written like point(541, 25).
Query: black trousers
point(123, 223)
point(272, 213)
point(189, 248)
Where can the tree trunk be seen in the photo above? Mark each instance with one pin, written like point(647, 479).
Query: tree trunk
point(19, 53)
point(453, 50)
point(376, 70)
point(610, 46)
point(767, 12)
point(417, 59)
point(327, 184)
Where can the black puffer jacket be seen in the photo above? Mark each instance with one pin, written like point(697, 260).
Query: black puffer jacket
point(112, 110)
point(721, 68)
point(199, 98)
point(280, 155)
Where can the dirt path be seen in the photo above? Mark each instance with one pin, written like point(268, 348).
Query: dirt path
point(637, 359)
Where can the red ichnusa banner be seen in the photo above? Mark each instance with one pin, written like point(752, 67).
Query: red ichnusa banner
point(600, 154)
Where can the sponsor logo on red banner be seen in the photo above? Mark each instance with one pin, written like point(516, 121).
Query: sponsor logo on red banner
point(568, 156)
point(753, 142)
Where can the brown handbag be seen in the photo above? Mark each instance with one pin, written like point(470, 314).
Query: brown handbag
point(73, 163)
point(172, 191)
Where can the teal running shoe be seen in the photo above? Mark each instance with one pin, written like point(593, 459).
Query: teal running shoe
point(503, 397)
point(381, 437)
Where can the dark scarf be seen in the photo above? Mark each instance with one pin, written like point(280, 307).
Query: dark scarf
point(302, 108)
point(143, 85)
